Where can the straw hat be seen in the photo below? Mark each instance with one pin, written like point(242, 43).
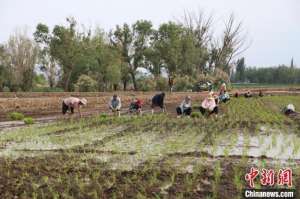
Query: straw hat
point(83, 101)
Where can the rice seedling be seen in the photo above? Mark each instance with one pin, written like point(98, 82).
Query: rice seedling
point(16, 116)
point(217, 177)
point(146, 156)
point(28, 120)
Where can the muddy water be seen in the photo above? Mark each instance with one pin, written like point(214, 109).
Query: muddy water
point(186, 148)
point(10, 125)
point(268, 143)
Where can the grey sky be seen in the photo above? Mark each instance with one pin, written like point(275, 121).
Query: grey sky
point(273, 26)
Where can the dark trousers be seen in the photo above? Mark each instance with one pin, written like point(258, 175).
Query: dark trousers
point(186, 111)
point(247, 95)
point(203, 110)
point(134, 107)
point(288, 112)
point(65, 108)
point(161, 105)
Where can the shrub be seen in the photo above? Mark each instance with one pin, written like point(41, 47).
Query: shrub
point(184, 83)
point(28, 120)
point(217, 77)
point(48, 89)
point(6, 89)
point(146, 84)
point(16, 116)
point(196, 115)
point(86, 84)
point(221, 76)
point(103, 115)
point(161, 84)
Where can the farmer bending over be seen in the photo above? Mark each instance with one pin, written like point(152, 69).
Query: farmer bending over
point(73, 102)
point(289, 109)
point(248, 94)
point(115, 105)
point(158, 100)
point(223, 95)
point(209, 105)
point(136, 106)
point(185, 107)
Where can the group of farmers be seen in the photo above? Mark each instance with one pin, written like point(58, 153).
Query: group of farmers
point(209, 104)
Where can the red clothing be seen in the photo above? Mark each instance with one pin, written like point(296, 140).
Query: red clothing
point(139, 103)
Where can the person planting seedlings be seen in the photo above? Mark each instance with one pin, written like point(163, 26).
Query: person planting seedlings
point(209, 105)
point(158, 101)
point(185, 107)
point(260, 93)
point(248, 94)
point(289, 110)
point(223, 95)
point(71, 103)
point(136, 106)
point(115, 105)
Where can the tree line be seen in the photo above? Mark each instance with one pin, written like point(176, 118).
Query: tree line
point(281, 74)
point(175, 55)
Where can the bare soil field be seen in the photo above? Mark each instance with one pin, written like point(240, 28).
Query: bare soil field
point(49, 104)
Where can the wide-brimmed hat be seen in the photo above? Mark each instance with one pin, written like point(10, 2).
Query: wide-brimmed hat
point(83, 101)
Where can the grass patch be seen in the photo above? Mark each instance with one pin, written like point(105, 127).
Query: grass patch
point(16, 116)
point(28, 120)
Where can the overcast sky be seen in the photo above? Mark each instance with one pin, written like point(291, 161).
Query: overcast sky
point(273, 26)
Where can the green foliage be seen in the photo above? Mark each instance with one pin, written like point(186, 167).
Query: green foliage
point(107, 67)
point(3, 74)
point(146, 84)
point(240, 70)
point(28, 120)
point(168, 45)
point(103, 116)
point(39, 80)
point(195, 115)
point(66, 45)
point(220, 76)
point(18, 58)
point(272, 75)
point(48, 89)
point(181, 48)
point(16, 116)
point(161, 84)
point(184, 83)
point(132, 43)
point(86, 84)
